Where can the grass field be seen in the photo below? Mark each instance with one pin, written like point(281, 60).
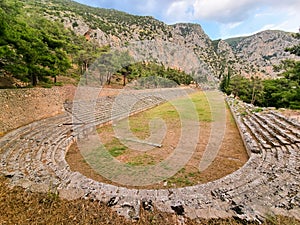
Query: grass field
point(231, 156)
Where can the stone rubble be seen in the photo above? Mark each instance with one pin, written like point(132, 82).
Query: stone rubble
point(33, 157)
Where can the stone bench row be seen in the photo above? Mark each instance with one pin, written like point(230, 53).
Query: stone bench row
point(39, 159)
point(278, 131)
point(264, 130)
point(109, 108)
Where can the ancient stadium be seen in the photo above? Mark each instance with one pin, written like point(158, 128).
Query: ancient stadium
point(33, 154)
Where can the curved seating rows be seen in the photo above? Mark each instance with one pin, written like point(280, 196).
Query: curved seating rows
point(33, 156)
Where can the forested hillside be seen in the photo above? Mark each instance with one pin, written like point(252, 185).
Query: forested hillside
point(34, 48)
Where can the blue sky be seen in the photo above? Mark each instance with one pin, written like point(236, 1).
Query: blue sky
point(218, 18)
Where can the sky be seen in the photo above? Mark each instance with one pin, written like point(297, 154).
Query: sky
point(218, 18)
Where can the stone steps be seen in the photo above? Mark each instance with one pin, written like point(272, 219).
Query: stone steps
point(99, 111)
point(257, 133)
point(283, 132)
point(283, 125)
point(249, 180)
point(36, 153)
point(292, 123)
point(274, 137)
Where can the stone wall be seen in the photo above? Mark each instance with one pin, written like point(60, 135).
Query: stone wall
point(23, 106)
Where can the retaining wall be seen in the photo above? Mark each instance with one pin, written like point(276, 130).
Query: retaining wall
point(23, 106)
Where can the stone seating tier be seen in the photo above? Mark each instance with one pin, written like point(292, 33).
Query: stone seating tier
point(33, 156)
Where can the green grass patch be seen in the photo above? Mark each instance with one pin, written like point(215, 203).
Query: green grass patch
point(115, 147)
point(195, 107)
point(257, 110)
point(139, 124)
point(202, 106)
point(117, 150)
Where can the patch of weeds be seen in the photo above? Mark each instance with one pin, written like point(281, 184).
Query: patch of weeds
point(191, 174)
point(105, 129)
point(46, 85)
point(117, 150)
point(141, 160)
point(243, 113)
point(59, 84)
point(257, 110)
point(137, 129)
point(179, 181)
point(271, 219)
point(51, 197)
point(184, 177)
point(182, 170)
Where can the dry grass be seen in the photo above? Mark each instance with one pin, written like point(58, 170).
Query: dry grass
point(25, 208)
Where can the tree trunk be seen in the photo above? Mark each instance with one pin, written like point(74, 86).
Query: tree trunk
point(253, 94)
point(109, 78)
point(124, 79)
point(33, 79)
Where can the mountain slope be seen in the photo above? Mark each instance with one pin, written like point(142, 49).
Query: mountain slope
point(253, 55)
point(258, 53)
point(182, 46)
point(114, 28)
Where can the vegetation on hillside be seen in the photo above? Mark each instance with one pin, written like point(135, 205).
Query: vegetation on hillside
point(283, 92)
point(118, 68)
point(31, 54)
point(109, 21)
point(34, 48)
point(233, 42)
point(143, 71)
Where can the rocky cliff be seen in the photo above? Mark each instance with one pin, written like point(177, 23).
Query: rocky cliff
point(258, 53)
point(184, 46)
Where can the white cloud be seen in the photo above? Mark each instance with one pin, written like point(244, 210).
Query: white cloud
point(225, 11)
point(222, 10)
point(264, 14)
point(179, 10)
point(238, 17)
point(234, 25)
point(230, 17)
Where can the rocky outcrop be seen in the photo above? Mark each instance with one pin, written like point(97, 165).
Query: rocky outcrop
point(251, 56)
point(258, 53)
